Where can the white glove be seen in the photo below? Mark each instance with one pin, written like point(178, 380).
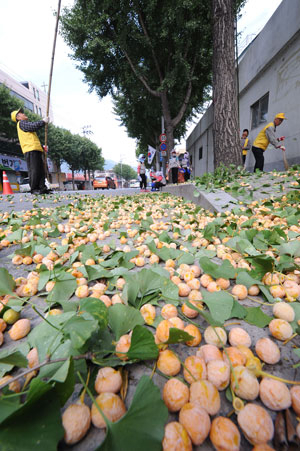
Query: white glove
point(282, 148)
point(46, 119)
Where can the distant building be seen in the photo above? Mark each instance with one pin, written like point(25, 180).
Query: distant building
point(269, 83)
point(34, 98)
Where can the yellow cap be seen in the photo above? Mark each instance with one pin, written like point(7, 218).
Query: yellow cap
point(280, 116)
point(13, 115)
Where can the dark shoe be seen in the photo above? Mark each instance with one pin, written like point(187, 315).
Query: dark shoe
point(45, 191)
point(34, 191)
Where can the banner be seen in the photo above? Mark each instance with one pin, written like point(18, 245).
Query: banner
point(151, 153)
point(14, 163)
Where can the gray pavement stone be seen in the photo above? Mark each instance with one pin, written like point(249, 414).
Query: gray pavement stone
point(212, 201)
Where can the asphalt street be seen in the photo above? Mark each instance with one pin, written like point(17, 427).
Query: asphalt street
point(26, 201)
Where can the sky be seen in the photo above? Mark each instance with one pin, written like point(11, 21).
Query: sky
point(26, 40)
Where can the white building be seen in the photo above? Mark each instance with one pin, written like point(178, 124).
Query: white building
point(269, 83)
point(34, 98)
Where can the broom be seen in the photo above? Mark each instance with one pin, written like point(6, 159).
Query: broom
point(286, 165)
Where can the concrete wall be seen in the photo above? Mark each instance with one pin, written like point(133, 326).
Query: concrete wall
point(202, 136)
point(270, 64)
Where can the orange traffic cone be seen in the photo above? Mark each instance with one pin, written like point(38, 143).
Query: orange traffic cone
point(6, 185)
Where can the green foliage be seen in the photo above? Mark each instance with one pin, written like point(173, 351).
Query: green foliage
point(220, 178)
point(146, 417)
point(36, 423)
point(123, 318)
point(146, 57)
point(125, 171)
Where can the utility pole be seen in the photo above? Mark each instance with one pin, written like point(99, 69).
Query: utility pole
point(86, 132)
point(44, 86)
point(121, 163)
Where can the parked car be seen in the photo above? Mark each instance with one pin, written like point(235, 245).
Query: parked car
point(134, 184)
point(104, 183)
point(25, 187)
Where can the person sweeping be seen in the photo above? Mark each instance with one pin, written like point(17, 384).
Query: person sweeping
point(264, 138)
point(32, 150)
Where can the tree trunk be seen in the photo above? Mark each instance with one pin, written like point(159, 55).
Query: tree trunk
point(169, 128)
point(73, 180)
point(225, 118)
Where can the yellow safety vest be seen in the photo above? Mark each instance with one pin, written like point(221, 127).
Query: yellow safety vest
point(261, 141)
point(245, 145)
point(28, 140)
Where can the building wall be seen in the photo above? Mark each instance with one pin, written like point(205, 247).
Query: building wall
point(35, 98)
point(202, 138)
point(270, 64)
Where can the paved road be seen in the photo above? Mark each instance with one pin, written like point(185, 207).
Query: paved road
point(26, 201)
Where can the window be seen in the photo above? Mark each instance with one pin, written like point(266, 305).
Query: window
point(34, 93)
point(27, 103)
point(36, 109)
point(259, 111)
point(200, 153)
point(37, 94)
point(40, 112)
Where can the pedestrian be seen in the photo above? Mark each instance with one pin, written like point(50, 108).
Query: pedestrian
point(264, 138)
point(185, 164)
point(141, 170)
point(159, 181)
point(245, 144)
point(173, 166)
point(32, 150)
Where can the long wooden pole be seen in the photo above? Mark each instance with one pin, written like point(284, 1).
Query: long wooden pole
point(49, 88)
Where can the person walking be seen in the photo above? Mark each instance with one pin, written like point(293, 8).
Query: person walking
point(32, 150)
point(185, 164)
point(173, 166)
point(264, 138)
point(141, 170)
point(245, 144)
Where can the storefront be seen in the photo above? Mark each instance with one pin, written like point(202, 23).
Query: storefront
point(15, 168)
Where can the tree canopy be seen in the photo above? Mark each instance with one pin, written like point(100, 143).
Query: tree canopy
point(125, 171)
point(165, 48)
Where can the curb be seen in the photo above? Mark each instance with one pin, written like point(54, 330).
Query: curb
point(217, 201)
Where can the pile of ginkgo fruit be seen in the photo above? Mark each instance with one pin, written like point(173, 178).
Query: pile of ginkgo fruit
point(214, 360)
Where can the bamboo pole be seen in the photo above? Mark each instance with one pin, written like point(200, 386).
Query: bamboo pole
point(49, 89)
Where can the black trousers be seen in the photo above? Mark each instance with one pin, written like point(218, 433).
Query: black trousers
point(244, 158)
point(158, 185)
point(174, 172)
point(36, 170)
point(259, 158)
point(186, 175)
point(143, 182)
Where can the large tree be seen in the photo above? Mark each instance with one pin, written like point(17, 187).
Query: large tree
point(125, 171)
point(165, 45)
point(225, 100)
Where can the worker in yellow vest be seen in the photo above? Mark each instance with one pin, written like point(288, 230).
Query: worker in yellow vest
point(245, 144)
point(264, 138)
point(32, 150)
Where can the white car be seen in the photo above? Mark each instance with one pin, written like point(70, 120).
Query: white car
point(25, 187)
point(134, 184)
